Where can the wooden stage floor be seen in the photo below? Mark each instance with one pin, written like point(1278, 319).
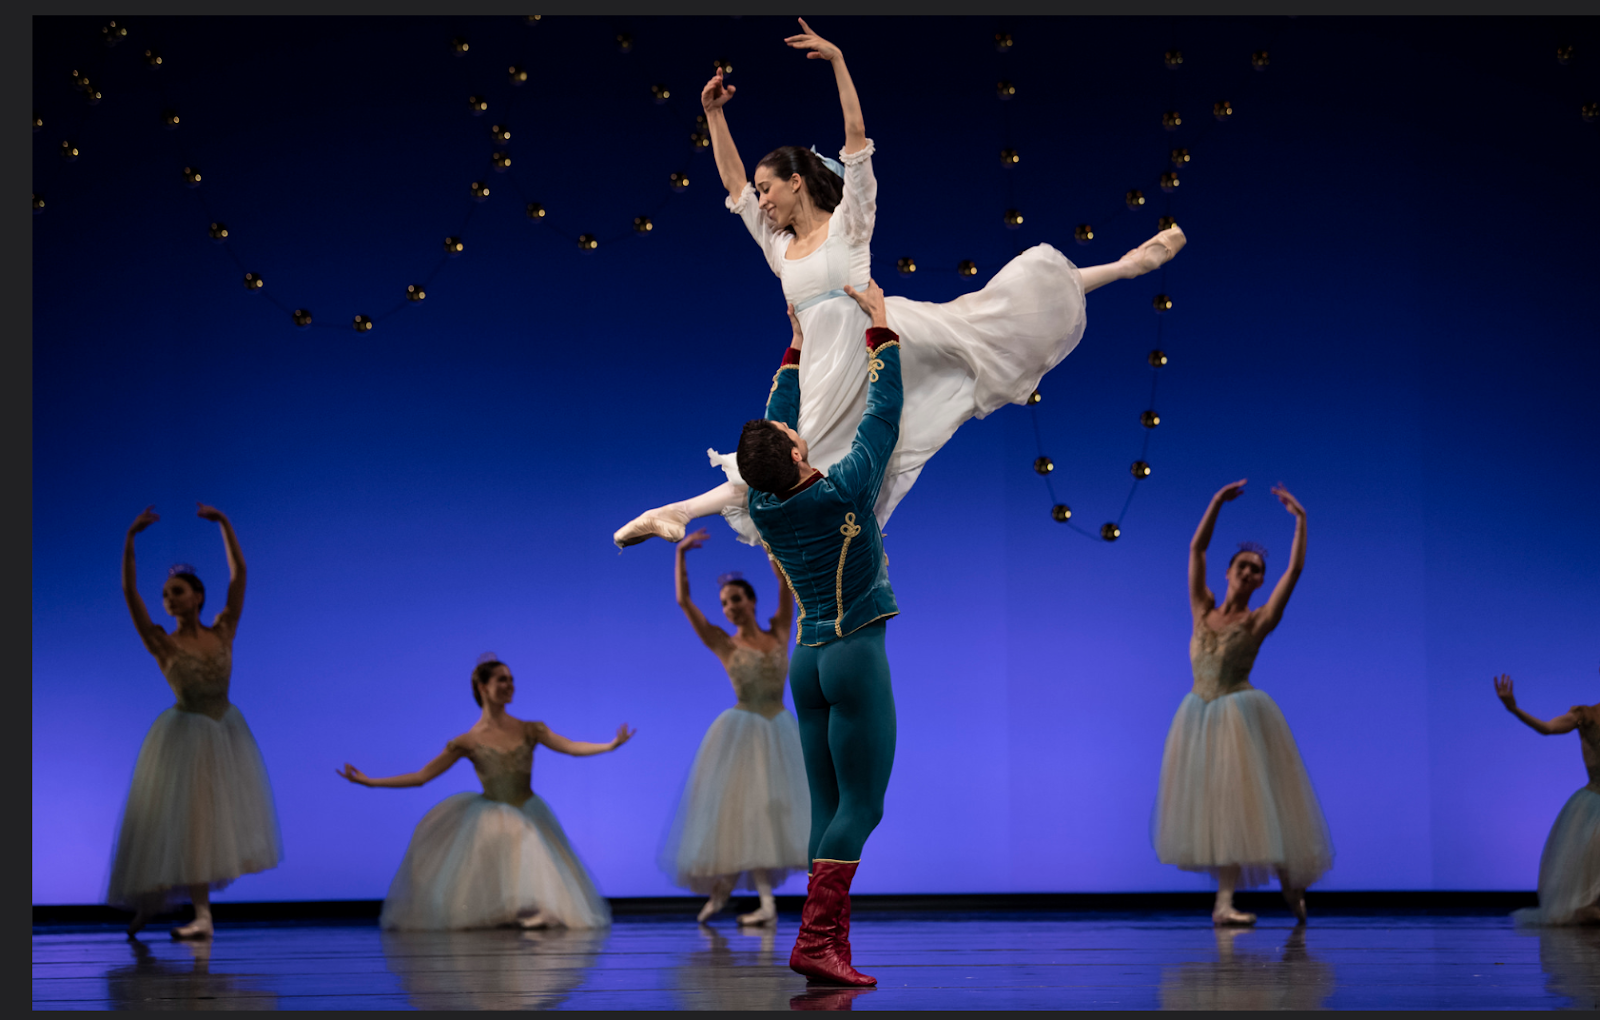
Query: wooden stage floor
point(989, 961)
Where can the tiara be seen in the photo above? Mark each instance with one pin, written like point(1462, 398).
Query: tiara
point(1254, 547)
point(488, 657)
point(181, 568)
point(723, 580)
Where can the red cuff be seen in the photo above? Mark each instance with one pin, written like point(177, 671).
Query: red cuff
point(877, 336)
point(790, 357)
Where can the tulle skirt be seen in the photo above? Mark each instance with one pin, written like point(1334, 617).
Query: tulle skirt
point(476, 863)
point(745, 809)
point(1234, 793)
point(1569, 868)
point(959, 359)
point(199, 812)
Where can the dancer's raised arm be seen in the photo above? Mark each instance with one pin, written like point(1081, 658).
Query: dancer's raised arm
point(855, 131)
point(578, 748)
point(433, 770)
point(714, 637)
point(1564, 723)
point(730, 167)
point(782, 622)
point(1200, 598)
point(229, 617)
point(154, 638)
point(1272, 612)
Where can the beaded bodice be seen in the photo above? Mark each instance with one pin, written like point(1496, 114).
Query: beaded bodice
point(1222, 658)
point(506, 773)
point(199, 680)
point(759, 678)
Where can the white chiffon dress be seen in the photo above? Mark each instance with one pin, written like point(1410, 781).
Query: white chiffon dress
point(960, 359)
point(1569, 867)
point(199, 809)
point(481, 860)
point(745, 810)
point(1234, 792)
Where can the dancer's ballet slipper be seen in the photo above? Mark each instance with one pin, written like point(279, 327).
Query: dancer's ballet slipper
point(718, 900)
point(136, 925)
point(1296, 898)
point(197, 929)
point(535, 920)
point(667, 522)
point(1227, 917)
point(766, 914)
point(1157, 251)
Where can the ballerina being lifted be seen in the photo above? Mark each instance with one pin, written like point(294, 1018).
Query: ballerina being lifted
point(813, 218)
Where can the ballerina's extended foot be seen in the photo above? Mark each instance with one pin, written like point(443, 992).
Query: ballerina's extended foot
point(1156, 252)
point(668, 522)
point(765, 914)
point(714, 905)
point(136, 925)
point(1227, 917)
point(1296, 898)
point(197, 929)
point(537, 919)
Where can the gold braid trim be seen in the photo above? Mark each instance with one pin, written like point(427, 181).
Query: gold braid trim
point(778, 375)
point(798, 619)
point(849, 529)
point(872, 365)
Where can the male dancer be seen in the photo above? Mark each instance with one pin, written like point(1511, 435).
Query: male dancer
point(821, 531)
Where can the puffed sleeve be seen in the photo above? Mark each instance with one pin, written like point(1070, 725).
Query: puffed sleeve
point(857, 211)
point(772, 242)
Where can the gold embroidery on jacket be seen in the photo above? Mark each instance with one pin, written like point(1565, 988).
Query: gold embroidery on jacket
point(876, 362)
point(779, 375)
point(849, 529)
point(802, 606)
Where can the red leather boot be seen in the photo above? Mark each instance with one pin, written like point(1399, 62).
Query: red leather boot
point(822, 950)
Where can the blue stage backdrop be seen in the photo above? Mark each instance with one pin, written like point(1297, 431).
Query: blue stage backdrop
point(1386, 303)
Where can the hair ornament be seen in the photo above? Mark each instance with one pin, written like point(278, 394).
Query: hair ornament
point(723, 580)
point(488, 657)
point(182, 568)
point(832, 164)
point(1254, 547)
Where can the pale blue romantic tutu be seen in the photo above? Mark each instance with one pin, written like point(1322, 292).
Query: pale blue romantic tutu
point(477, 863)
point(1234, 793)
point(745, 809)
point(1569, 868)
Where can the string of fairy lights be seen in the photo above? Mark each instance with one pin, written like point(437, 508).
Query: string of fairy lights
point(1165, 182)
point(484, 98)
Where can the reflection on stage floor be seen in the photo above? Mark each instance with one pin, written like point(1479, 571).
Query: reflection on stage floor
point(922, 961)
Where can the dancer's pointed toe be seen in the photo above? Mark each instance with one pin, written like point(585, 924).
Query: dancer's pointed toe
point(1230, 918)
point(1157, 251)
point(663, 522)
point(200, 929)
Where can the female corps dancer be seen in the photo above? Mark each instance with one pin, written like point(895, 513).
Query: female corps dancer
point(1569, 868)
point(813, 218)
point(1235, 799)
point(199, 811)
point(477, 861)
point(745, 813)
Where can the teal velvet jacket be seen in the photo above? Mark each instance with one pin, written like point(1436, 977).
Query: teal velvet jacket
point(824, 534)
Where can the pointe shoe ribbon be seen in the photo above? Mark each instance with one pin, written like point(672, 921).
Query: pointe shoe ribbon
point(665, 522)
point(822, 949)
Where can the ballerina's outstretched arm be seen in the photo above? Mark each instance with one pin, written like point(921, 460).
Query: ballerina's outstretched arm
point(1564, 723)
point(229, 617)
point(782, 622)
point(433, 770)
point(1272, 612)
point(156, 641)
point(1200, 598)
point(714, 637)
point(578, 748)
point(730, 167)
point(855, 130)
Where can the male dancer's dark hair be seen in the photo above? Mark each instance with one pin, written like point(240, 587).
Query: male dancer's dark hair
point(765, 458)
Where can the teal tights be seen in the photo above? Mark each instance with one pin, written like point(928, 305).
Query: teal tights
point(845, 708)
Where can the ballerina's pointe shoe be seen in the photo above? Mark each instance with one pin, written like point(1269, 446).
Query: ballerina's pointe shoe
point(764, 915)
point(136, 925)
point(1227, 917)
point(1296, 898)
point(200, 929)
point(534, 921)
point(714, 905)
point(664, 522)
point(1157, 251)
